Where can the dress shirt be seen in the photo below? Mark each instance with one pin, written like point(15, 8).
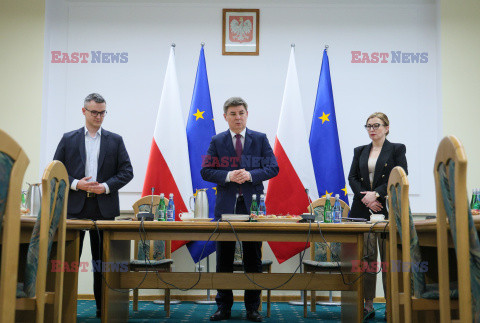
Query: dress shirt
point(92, 151)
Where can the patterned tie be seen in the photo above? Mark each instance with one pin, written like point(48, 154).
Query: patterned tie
point(238, 150)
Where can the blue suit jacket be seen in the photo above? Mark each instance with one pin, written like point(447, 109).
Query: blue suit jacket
point(114, 168)
point(257, 158)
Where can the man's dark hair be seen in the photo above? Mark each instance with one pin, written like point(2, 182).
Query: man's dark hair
point(94, 97)
point(234, 102)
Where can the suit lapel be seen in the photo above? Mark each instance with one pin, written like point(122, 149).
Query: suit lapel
point(81, 144)
point(363, 162)
point(382, 158)
point(103, 149)
point(228, 142)
point(248, 141)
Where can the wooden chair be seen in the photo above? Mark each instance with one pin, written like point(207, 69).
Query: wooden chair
point(423, 297)
point(266, 268)
point(450, 172)
point(321, 258)
point(154, 255)
point(31, 294)
point(13, 163)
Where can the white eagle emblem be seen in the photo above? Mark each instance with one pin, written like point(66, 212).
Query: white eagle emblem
point(240, 30)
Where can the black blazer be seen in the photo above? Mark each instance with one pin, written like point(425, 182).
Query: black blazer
point(391, 155)
point(114, 168)
point(257, 158)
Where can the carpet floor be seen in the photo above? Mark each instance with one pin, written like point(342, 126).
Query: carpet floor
point(191, 312)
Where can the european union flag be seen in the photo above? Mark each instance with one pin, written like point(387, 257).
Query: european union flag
point(200, 130)
point(324, 143)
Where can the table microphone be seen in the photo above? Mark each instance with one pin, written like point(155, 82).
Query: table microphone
point(235, 206)
point(308, 217)
point(147, 216)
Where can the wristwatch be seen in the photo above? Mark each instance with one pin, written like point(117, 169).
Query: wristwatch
point(376, 194)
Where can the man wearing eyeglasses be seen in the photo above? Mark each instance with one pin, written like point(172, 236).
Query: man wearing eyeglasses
point(98, 166)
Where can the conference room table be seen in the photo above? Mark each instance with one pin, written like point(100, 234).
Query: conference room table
point(72, 252)
point(119, 234)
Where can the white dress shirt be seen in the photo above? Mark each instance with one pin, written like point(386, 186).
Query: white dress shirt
point(92, 151)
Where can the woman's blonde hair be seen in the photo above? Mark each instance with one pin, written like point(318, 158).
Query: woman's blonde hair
point(382, 116)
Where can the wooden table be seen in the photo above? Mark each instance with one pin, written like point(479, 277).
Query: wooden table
point(72, 249)
point(118, 234)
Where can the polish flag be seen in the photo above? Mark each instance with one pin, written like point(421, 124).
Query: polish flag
point(286, 192)
point(168, 163)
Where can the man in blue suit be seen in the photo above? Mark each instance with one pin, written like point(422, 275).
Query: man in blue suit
point(238, 161)
point(98, 166)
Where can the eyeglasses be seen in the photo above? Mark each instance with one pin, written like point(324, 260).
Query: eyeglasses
point(97, 113)
point(374, 126)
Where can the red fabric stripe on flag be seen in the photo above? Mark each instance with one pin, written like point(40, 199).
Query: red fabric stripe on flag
point(285, 194)
point(159, 176)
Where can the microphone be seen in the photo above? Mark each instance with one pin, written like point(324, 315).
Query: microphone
point(235, 206)
point(308, 217)
point(235, 217)
point(147, 216)
point(354, 219)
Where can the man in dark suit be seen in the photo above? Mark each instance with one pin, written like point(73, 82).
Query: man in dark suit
point(238, 161)
point(98, 166)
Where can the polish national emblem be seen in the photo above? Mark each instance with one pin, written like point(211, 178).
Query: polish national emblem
point(241, 29)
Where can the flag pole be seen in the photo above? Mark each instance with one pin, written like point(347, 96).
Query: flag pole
point(207, 301)
point(172, 301)
point(302, 293)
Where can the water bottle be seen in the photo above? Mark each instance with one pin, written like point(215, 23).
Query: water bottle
point(262, 208)
point(171, 209)
point(253, 206)
point(337, 210)
point(161, 208)
point(327, 210)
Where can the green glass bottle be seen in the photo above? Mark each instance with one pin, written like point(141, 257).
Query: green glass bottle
point(161, 208)
point(474, 199)
point(476, 205)
point(254, 206)
point(327, 210)
point(24, 203)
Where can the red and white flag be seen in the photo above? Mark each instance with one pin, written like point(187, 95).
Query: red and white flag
point(286, 192)
point(168, 164)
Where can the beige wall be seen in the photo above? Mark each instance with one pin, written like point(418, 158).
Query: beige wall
point(21, 60)
point(460, 49)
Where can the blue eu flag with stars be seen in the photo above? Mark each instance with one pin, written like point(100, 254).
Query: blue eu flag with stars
point(200, 130)
point(324, 142)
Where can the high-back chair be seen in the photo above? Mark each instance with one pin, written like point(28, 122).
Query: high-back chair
point(13, 163)
point(321, 257)
point(31, 294)
point(151, 255)
point(423, 297)
point(450, 172)
point(266, 268)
